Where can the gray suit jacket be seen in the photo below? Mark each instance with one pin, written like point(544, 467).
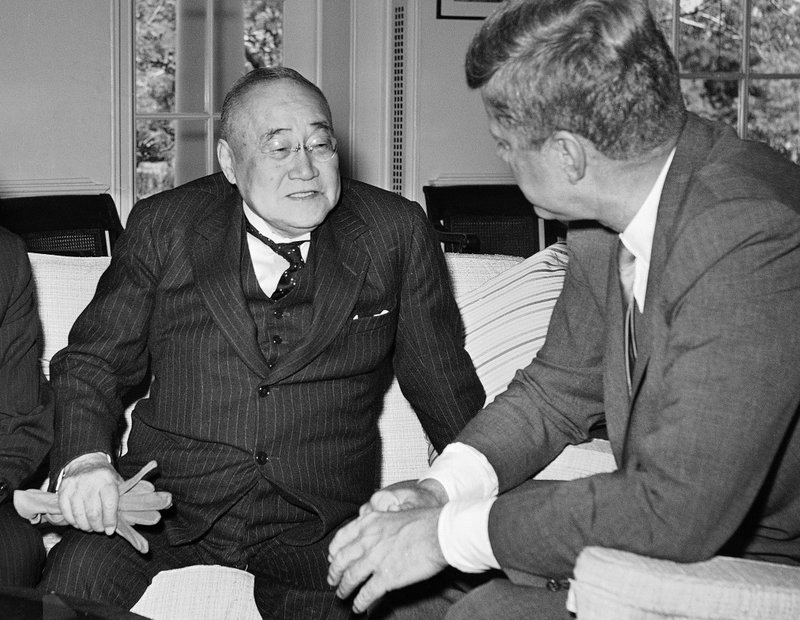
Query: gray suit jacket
point(219, 418)
point(708, 448)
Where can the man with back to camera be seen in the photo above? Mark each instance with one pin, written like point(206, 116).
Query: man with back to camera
point(26, 412)
point(677, 326)
point(269, 368)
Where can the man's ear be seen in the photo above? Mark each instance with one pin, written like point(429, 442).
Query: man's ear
point(225, 157)
point(571, 154)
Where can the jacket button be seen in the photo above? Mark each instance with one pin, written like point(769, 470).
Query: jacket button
point(263, 390)
point(3, 488)
point(262, 458)
point(277, 340)
point(278, 314)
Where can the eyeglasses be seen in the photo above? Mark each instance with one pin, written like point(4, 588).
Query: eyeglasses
point(320, 149)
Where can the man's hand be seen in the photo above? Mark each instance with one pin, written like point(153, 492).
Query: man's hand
point(383, 551)
point(88, 495)
point(406, 495)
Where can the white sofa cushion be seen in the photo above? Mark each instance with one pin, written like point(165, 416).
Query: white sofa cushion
point(64, 286)
point(194, 592)
point(405, 451)
point(506, 317)
point(505, 304)
point(505, 325)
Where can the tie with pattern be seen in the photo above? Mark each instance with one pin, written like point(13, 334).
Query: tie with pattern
point(626, 271)
point(291, 252)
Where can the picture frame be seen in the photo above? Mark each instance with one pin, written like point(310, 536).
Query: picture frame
point(465, 9)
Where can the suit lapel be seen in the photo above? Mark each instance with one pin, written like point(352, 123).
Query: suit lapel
point(215, 253)
point(691, 149)
point(340, 266)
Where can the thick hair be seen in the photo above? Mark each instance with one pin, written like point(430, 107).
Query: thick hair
point(601, 69)
point(257, 77)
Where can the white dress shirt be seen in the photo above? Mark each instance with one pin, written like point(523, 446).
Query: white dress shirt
point(467, 476)
point(268, 265)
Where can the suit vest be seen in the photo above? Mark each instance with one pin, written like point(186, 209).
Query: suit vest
point(281, 324)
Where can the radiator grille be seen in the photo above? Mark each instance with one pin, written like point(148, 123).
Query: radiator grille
point(398, 95)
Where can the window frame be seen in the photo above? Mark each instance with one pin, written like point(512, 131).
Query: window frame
point(744, 77)
point(303, 52)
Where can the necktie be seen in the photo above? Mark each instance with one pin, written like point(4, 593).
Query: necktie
point(626, 272)
point(291, 252)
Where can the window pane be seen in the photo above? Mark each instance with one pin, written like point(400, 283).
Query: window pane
point(172, 79)
point(155, 153)
point(775, 115)
point(155, 56)
point(263, 33)
point(710, 35)
point(190, 56)
point(170, 153)
point(775, 36)
point(191, 148)
point(713, 99)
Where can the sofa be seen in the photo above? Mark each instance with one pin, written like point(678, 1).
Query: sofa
point(505, 304)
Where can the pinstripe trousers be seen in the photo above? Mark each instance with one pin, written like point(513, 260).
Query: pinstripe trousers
point(290, 581)
point(21, 550)
point(488, 596)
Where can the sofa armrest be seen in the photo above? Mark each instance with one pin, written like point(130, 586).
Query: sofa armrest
point(609, 583)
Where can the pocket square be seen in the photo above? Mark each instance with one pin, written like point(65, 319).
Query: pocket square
point(381, 313)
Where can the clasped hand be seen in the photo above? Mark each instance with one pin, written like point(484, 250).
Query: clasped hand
point(88, 495)
point(93, 497)
point(393, 543)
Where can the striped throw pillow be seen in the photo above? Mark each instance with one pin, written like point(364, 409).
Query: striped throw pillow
point(506, 318)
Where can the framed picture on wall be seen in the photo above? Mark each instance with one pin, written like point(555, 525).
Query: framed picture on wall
point(465, 9)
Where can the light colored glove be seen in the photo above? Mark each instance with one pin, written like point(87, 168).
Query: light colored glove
point(139, 503)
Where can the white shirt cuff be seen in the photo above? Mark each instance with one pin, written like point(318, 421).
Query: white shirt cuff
point(77, 458)
point(463, 532)
point(464, 472)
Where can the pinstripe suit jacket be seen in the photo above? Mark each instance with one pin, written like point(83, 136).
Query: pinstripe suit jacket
point(172, 297)
point(26, 406)
point(708, 448)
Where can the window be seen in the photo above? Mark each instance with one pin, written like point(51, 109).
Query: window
point(740, 63)
point(187, 55)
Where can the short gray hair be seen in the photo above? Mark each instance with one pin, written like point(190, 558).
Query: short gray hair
point(256, 77)
point(601, 69)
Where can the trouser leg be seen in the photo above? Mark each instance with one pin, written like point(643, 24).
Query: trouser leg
point(291, 582)
point(23, 553)
point(107, 569)
point(429, 599)
point(502, 599)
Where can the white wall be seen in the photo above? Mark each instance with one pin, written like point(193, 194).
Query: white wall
point(61, 99)
point(446, 131)
point(57, 97)
point(317, 40)
point(453, 142)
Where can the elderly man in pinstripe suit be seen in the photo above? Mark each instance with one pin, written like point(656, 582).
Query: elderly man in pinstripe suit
point(269, 364)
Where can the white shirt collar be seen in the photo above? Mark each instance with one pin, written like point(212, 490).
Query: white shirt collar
point(638, 235)
point(268, 231)
point(268, 265)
